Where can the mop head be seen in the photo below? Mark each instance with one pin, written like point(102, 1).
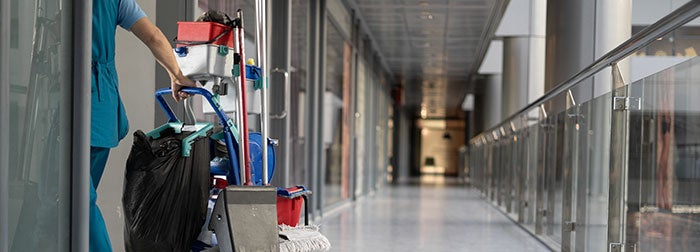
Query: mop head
point(302, 238)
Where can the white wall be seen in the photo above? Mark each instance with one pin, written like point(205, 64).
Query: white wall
point(641, 67)
point(516, 20)
point(493, 60)
point(646, 12)
point(136, 67)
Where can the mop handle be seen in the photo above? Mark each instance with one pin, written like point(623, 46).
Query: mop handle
point(261, 39)
point(244, 110)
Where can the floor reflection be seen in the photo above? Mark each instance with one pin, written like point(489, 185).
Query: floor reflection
point(432, 213)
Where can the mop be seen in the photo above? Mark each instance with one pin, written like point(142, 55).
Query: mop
point(302, 238)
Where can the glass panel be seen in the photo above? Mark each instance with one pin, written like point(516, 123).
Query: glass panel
point(478, 164)
point(360, 126)
point(496, 170)
point(335, 118)
point(553, 173)
point(508, 171)
point(390, 151)
point(299, 80)
point(515, 164)
point(664, 163)
point(491, 162)
point(518, 165)
point(574, 142)
point(477, 171)
point(566, 170)
point(40, 119)
point(541, 196)
point(592, 183)
point(346, 119)
point(682, 42)
point(531, 152)
point(554, 187)
point(558, 177)
point(381, 138)
point(513, 171)
point(369, 114)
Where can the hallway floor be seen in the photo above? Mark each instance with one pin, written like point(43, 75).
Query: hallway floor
point(425, 217)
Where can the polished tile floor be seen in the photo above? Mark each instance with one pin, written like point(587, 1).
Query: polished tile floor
point(425, 217)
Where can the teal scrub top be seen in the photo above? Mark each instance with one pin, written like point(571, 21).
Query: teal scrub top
point(108, 123)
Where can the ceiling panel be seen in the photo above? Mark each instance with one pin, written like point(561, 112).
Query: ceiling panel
point(429, 45)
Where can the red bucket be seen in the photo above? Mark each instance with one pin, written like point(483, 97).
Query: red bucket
point(200, 32)
point(289, 210)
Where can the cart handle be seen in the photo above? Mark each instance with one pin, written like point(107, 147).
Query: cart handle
point(229, 128)
point(213, 101)
point(201, 130)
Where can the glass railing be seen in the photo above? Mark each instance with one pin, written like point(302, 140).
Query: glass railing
point(610, 159)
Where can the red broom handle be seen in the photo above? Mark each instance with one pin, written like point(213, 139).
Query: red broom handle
point(241, 64)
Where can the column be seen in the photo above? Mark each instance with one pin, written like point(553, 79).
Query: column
point(515, 75)
point(578, 32)
point(492, 110)
point(523, 31)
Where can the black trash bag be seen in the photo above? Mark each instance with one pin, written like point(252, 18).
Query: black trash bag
point(165, 194)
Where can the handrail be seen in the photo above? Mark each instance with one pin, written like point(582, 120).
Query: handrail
point(666, 24)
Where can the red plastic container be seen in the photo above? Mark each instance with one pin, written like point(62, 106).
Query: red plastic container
point(289, 210)
point(203, 32)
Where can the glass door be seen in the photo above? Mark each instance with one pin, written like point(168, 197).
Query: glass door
point(360, 126)
point(39, 127)
point(336, 109)
point(299, 75)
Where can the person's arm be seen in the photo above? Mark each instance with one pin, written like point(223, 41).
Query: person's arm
point(152, 37)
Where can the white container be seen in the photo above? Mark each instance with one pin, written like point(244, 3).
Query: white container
point(201, 62)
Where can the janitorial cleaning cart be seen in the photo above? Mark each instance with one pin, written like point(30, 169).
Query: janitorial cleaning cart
point(205, 186)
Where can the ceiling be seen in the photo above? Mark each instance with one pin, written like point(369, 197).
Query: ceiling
point(430, 46)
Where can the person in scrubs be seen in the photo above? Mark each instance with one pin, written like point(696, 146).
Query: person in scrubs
point(109, 123)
